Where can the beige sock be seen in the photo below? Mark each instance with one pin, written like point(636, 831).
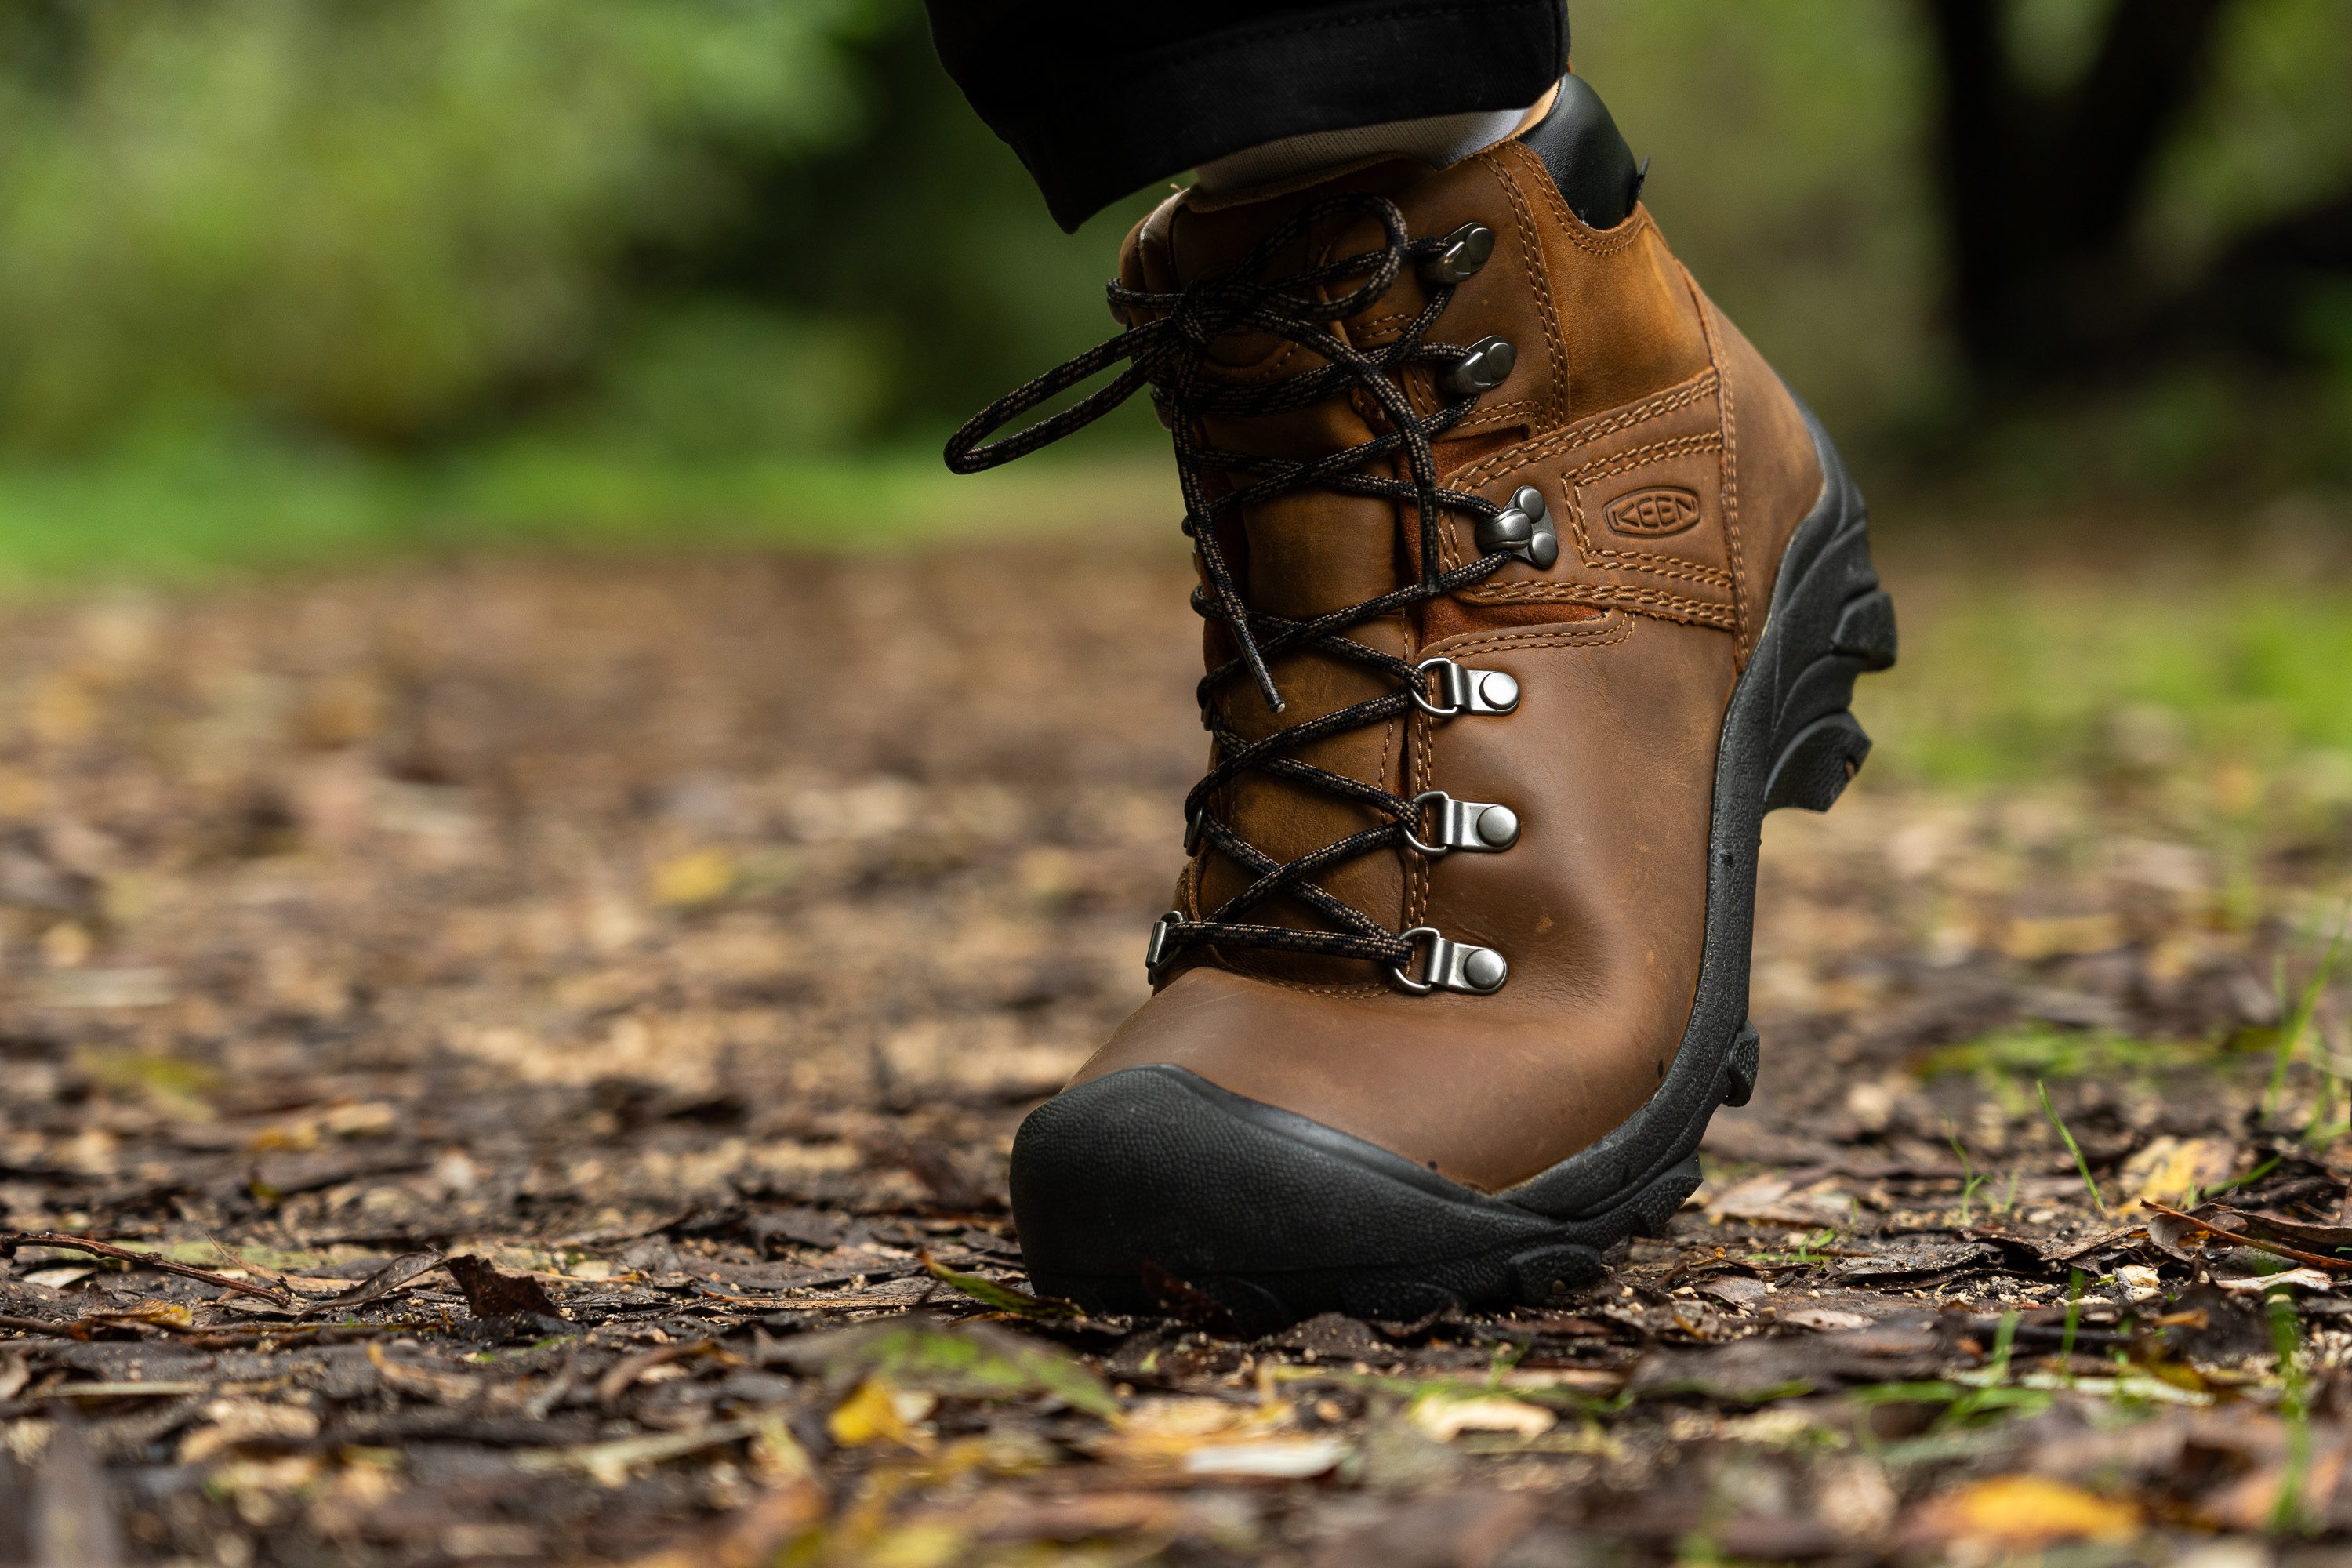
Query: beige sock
point(1439, 142)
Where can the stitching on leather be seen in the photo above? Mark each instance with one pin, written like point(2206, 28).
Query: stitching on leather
point(1586, 430)
point(1531, 246)
point(1303, 986)
point(1500, 414)
point(1672, 607)
point(1390, 734)
point(1582, 235)
point(1607, 630)
point(1641, 457)
point(1730, 476)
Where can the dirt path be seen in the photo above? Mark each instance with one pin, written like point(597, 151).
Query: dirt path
point(567, 1022)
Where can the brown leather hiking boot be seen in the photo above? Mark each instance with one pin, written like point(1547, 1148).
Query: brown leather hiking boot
point(1530, 590)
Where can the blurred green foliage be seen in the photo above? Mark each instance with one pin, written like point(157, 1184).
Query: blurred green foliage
point(2126, 678)
point(713, 232)
point(384, 222)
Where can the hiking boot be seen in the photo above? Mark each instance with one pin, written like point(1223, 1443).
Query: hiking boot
point(1529, 590)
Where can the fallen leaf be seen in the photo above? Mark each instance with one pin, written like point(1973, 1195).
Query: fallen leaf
point(877, 1413)
point(243, 1478)
point(492, 1294)
point(629, 1369)
point(2100, 1241)
point(137, 1388)
point(969, 1361)
point(244, 1423)
point(1279, 1458)
point(365, 1118)
point(418, 1381)
point(1002, 1297)
point(611, 1465)
point(1829, 1320)
point(1446, 1417)
point(1774, 1200)
point(2025, 1512)
point(1162, 1432)
point(2184, 1235)
point(2030, 939)
point(698, 876)
point(404, 1269)
point(2175, 1170)
point(2252, 1502)
point(58, 1278)
point(2299, 1279)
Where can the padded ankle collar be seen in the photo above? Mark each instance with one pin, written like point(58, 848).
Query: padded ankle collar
point(1587, 156)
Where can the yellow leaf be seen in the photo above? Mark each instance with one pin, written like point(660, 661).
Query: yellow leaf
point(919, 1546)
point(877, 1413)
point(701, 876)
point(2030, 939)
point(2029, 1511)
point(2175, 1171)
point(162, 1313)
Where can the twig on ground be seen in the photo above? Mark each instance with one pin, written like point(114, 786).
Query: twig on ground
point(10, 1240)
point(2317, 1260)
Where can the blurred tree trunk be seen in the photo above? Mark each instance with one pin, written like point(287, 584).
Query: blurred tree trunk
point(2040, 188)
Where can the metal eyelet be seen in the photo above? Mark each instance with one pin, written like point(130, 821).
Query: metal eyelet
point(1155, 951)
point(1466, 250)
point(1467, 825)
point(1452, 966)
point(1524, 528)
point(1485, 366)
point(1463, 691)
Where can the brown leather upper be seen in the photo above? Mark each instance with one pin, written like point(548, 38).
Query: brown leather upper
point(1675, 466)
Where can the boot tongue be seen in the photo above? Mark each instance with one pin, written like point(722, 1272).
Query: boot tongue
point(1298, 555)
point(1311, 551)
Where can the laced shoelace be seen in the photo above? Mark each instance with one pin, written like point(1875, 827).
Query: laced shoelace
point(1168, 348)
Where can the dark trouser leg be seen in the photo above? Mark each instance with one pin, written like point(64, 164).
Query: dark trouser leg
point(1101, 99)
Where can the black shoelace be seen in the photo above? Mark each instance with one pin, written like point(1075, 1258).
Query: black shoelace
point(1168, 350)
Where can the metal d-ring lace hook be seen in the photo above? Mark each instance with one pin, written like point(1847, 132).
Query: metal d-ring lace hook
point(1463, 691)
point(1472, 825)
point(1448, 965)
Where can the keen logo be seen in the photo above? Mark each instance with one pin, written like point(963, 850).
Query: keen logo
point(1653, 513)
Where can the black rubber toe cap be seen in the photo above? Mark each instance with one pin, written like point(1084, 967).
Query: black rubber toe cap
point(1275, 1216)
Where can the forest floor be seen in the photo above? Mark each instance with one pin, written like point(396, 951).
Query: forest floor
point(514, 1061)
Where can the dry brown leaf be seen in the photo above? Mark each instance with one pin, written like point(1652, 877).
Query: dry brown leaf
point(493, 1293)
point(441, 1385)
point(2031, 939)
point(246, 1423)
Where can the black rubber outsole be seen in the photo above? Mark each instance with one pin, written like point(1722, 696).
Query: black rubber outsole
point(1153, 1174)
